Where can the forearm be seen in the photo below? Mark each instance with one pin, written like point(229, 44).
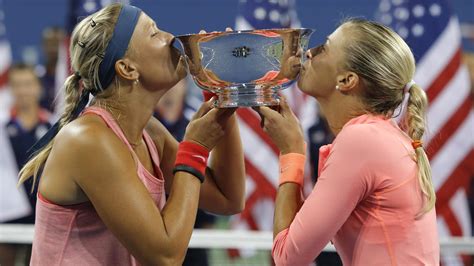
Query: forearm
point(179, 213)
point(227, 164)
point(288, 202)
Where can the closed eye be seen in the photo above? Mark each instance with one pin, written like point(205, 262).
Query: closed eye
point(317, 50)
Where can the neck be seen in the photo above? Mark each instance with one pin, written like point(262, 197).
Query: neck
point(131, 108)
point(339, 109)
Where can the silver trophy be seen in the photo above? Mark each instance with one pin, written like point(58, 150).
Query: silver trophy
point(245, 68)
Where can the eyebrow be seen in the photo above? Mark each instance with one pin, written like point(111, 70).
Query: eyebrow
point(152, 24)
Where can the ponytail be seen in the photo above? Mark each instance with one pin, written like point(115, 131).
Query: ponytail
point(415, 127)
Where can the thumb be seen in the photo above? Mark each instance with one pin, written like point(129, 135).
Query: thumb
point(285, 109)
point(205, 108)
point(266, 112)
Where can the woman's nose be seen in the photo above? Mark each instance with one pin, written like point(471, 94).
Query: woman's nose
point(299, 53)
point(169, 38)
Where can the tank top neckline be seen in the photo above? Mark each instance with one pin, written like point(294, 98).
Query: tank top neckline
point(151, 148)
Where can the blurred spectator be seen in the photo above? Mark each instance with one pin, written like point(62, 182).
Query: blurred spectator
point(174, 113)
point(52, 39)
point(27, 123)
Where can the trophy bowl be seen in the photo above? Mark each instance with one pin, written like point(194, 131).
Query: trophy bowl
point(245, 68)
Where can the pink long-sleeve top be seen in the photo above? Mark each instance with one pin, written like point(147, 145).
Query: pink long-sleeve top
point(366, 202)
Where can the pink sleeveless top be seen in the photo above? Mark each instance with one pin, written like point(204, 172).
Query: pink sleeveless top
point(75, 234)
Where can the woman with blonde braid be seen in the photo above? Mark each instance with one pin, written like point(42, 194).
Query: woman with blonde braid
point(101, 195)
point(374, 198)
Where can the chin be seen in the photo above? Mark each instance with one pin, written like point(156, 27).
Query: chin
point(181, 69)
point(301, 85)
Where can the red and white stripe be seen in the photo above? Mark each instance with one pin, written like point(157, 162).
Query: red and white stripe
point(449, 140)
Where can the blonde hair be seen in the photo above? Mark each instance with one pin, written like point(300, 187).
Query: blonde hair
point(88, 43)
point(386, 64)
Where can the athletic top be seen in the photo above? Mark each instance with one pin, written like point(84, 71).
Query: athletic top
point(366, 201)
point(75, 234)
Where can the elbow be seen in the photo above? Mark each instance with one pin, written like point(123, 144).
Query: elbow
point(237, 207)
point(228, 209)
point(167, 254)
point(281, 259)
point(164, 260)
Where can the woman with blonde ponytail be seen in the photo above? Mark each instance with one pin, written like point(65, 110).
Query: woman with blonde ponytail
point(374, 198)
point(103, 170)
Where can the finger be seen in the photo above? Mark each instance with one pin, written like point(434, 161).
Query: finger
point(228, 29)
point(267, 112)
point(276, 107)
point(285, 109)
point(262, 118)
point(205, 108)
point(210, 114)
point(224, 114)
point(227, 111)
point(202, 32)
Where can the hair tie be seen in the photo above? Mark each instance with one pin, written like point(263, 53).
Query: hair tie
point(77, 75)
point(81, 44)
point(417, 144)
point(93, 23)
point(408, 86)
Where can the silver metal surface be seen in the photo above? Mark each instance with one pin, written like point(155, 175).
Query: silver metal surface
point(245, 68)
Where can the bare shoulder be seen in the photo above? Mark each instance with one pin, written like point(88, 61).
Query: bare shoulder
point(84, 151)
point(85, 134)
point(88, 141)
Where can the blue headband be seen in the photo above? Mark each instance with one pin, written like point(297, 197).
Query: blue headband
point(123, 31)
point(118, 45)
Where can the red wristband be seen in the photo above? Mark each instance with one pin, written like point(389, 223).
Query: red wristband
point(207, 95)
point(192, 155)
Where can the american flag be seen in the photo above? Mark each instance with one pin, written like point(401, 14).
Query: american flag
point(433, 33)
point(261, 155)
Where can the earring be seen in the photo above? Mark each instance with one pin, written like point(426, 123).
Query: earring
point(136, 82)
point(337, 87)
